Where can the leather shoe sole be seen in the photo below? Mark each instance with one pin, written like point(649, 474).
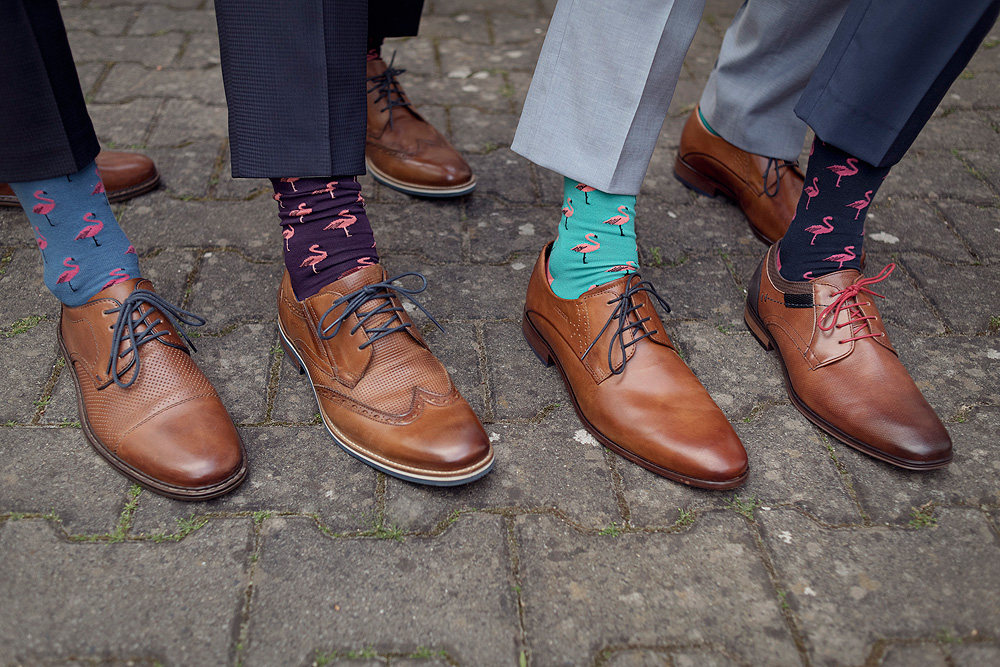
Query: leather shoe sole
point(419, 190)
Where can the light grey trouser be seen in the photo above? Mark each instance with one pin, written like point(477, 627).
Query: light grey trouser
point(607, 72)
point(768, 55)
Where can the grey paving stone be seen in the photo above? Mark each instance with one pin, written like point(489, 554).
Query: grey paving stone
point(553, 465)
point(978, 225)
point(157, 221)
point(973, 655)
point(104, 21)
point(905, 306)
point(69, 602)
point(789, 465)
point(89, 74)
point(228, 187)
point(504, 175)
point(850, 587)
point(22, 287)
point(674, 232)
point(463, 292)
point(123, 126)
point(965, 295)
point(521, 386)
point(185, 172)
point(701, 659)
point(906, 225)
point(979, 92)
point(426, 91)
point(153, 19)
point(184, 121)
point(934, 174)
point(458, 349)
point(129, 81)
point(180, 4)
point(474, 131)
point(638, 658)
point(432, 229)
point(985, 166)
point(56, 470)
point(700, 288)
point(294, 401)
point(604, 581)
point(230, 290)
point(296, 470)
point(451, 592)
point(28, 361)
point(500, 234)
point(915, 655)
point(889, 494)
point(961, 130)
point(239, 365)
point(453, 7)
point(202, 48)
point(470, 27)
point(152, 51)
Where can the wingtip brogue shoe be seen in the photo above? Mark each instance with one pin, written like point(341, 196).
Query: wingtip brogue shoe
point(840, 369)
point(144, 404)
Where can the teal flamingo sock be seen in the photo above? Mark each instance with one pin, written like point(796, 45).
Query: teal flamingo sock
point(83, 248)
point(596, 241)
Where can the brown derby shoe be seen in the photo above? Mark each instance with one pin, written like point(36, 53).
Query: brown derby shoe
point(154, 415)
point(628, 385)
point(767, 190)
point(840, 370)
point(383, 396)
point(125, 175)
point(402, 150)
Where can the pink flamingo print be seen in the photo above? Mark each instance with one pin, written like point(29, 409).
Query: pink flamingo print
point(584, 248)
point(808, 275)
point(288, 232)
point(40, 239)
point(117, 276)
point(840, 258)
point(277, 197)
point(841, 170)
point(290, 181)
point(131, 250)
point(567, 211)
point(343, 222)
point(90, 231)
point(812, 191)
point(67, 276)
point(318, 256)
point(619, 220)
point(360, 199)
point(825, 228)
point(329, 188)
point(861, 204)
point(99, 188)
point(366, 261)
point(43, 209)
point(585, 189)
point(627, 266)
point(301, 212)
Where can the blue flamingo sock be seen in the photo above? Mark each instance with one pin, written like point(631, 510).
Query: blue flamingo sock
point(828, 230)
point(596, 241)
point(83, 248)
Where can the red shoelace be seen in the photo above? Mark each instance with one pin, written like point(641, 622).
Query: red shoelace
point(858, 316)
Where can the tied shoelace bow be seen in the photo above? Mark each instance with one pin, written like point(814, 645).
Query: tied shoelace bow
point(858, 316)
point(625, 308)
point(777, 165)
point(388, 88)
point(127, 322)
point(381, 290)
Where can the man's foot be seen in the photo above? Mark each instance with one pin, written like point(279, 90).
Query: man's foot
point(144, 404)
point(403, 151)
point(840, 370)
point(125, 175)
point(382, 394)
point(767, 190)
point(629, 387)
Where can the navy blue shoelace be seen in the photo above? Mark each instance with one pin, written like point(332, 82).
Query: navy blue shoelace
point(622, 313)
point(388, 88)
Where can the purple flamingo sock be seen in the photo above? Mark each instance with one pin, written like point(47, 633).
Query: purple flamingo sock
point(83, 248)
point(828, 231)
point(325, 228)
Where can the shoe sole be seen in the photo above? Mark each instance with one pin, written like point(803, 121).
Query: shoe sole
point(759, 331)
point(419, 190)
point(137, 476)
point(707, 186)
point(545, 354)
point(114, 197)
point(344, 443)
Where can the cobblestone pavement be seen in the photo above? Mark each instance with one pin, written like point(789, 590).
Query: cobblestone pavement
point(565, 554)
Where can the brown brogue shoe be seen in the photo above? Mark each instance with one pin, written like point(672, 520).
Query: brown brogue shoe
point(629, 387)
point(402, 150)
point(125, 175)
point(382, 394)
point(840, 370)
point(766, 189)
point(144, 404)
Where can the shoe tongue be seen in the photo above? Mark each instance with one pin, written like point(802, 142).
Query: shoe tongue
point(828, 285)
point(121, 291)
point(356, 280)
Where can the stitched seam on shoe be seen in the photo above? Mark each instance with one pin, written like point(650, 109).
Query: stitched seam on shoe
point(159, 412)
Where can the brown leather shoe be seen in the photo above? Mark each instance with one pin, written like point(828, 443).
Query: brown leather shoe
point(629, 387)
point(152, 414)
point(403, 151)
point(766, 189)
point(383, 395)
point(125, 175)
point(840, 370)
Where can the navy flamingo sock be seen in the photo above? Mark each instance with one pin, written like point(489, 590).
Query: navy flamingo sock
point(83, 248)
point(828, 230)
point(325, 228)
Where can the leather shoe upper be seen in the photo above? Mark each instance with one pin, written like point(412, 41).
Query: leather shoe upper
point(766, 189)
